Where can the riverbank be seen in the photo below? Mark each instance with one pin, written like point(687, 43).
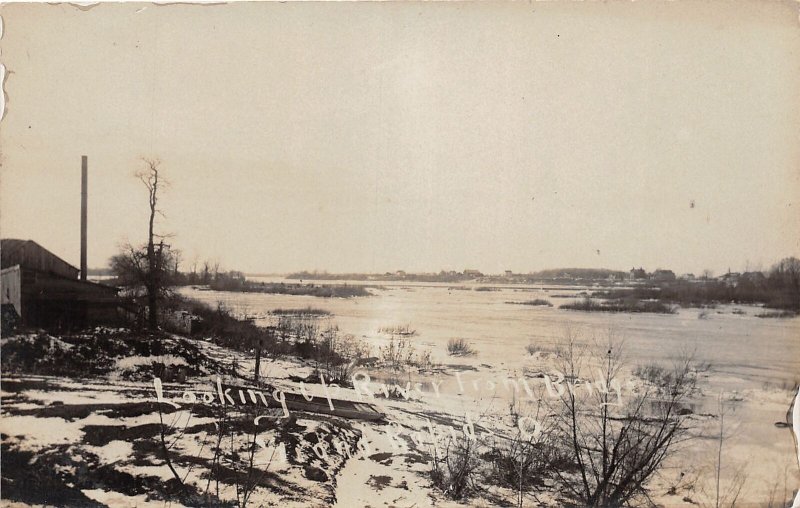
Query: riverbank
point(97, 433)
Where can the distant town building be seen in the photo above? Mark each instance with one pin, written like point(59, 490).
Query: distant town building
point(509, 273)
point(637, 273)
point(45, 291)
point(730, 278)
point(473, 273)
point(754, 278)
point(663, 276)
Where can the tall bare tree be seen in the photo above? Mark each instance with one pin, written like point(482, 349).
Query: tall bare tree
point(148, 267)
point(150, 178)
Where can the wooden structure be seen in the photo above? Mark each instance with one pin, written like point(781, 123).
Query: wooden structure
point(46, 292)
point(241, 396)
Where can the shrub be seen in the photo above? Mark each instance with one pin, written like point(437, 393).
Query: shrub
point(404, 330)
point(459, 347)
point(626, 305)
point(423, 360)
point(587, 304)
point(617, 447)
point(336, 355)
point(455, 471)
point(777, 314)
point(307, 311)
point(533, 349)
point(323, 291)
point(398, 354)
point(539, 302)
point(654, 374)
point(98, 352)
point(523, 464)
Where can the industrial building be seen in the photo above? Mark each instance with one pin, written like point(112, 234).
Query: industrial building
point(46, 292)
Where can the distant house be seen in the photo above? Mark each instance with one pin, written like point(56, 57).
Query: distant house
point(753, 278)
point(730, 279)
point(663, 276)
point(687, 276)
point(400, 273)
point(637, 273)
point(509, 273)
point(45, 291)
point(473, 273)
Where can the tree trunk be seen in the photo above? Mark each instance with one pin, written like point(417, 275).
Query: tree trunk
point(152, 262)
point(258, 361)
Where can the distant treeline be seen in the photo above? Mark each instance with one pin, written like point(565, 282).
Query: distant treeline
point(577, 273)
point(567, 274)
point(235, 281)
point(631, 305)
point(385, 277)
point(778, 288)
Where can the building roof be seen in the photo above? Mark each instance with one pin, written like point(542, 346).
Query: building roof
point(29, 254)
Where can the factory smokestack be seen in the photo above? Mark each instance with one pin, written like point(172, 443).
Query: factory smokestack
point(84, 184)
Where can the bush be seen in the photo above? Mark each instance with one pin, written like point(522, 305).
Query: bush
point(307, 311)
point(654, 374)
point(454, 472)
point(226, 330)
point(626, 305)
point(336, 355)
point(777, 314)
point(539, 302)
point(398, 354)
point(404, 330)
point(617, 447)
point(587, 304)
point(96, 352)
point(459, 347)
point(323, 291)
point(533, 349)
point(524, 464)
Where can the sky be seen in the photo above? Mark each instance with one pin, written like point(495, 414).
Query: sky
point(372, 137)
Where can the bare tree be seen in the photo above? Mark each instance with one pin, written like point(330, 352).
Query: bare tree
point(616, 441)
point(149, 177)
point(148, 267)
point(726, 496)
point(524, 460)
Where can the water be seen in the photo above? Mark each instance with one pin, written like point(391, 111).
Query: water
point(747, 350)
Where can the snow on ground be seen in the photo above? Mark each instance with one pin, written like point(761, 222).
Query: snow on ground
point(752, 441)
point(392, 460)
point(133, 361)
point(35, 433)
point(115, 451)
point(117, 500)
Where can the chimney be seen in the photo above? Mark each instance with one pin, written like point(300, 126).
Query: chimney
point(84, 184)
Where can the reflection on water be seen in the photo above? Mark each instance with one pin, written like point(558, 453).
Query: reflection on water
point(751, 351)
